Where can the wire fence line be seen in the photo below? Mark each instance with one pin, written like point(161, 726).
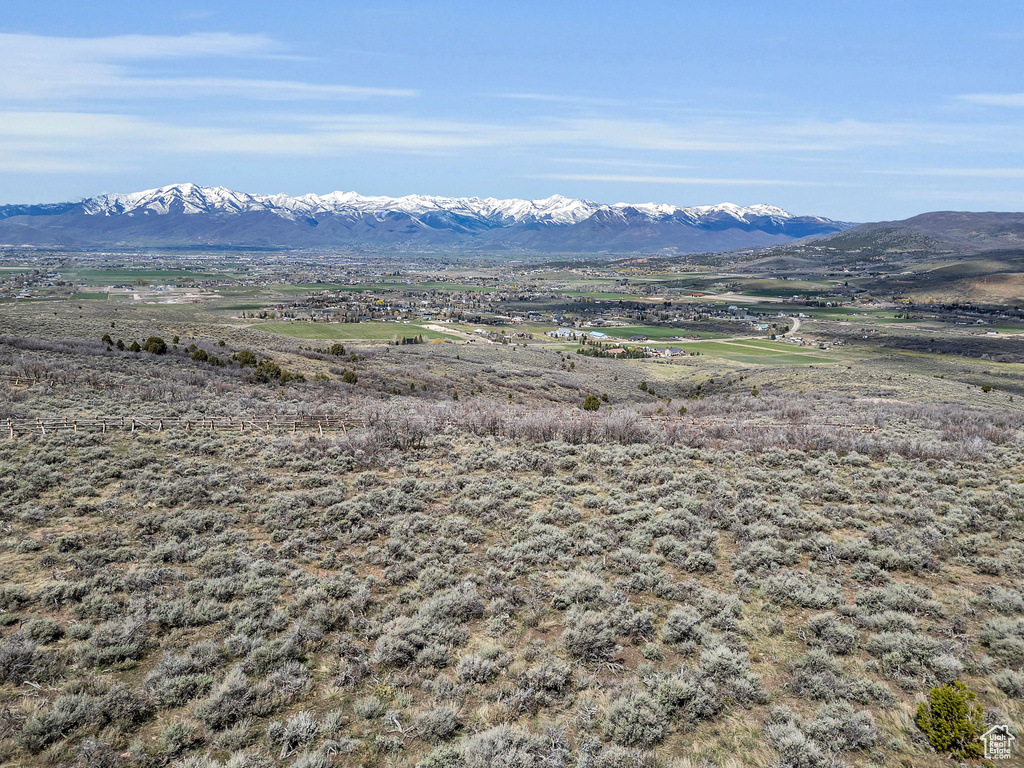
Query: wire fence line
point(16, 427)
point(18, 379)
point(334, 423)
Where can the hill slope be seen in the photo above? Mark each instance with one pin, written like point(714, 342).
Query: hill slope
point(959, 231)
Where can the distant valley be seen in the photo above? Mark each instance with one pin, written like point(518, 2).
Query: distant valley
point(938, 256)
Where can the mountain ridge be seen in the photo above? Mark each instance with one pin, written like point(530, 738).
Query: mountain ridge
point(189, 214)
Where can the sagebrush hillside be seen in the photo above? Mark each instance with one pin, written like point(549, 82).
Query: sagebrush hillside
point(515, 590)
point(725, 564)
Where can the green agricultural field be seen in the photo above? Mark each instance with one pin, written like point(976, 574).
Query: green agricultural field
point(349, 331)
point(241, 307)
point(374, 286)
point(769, 287)
point(762, 353)
point(318, 287)
point(431, 285)
point(1003, 328)
point(129, 276)
point(236, 292)
point(853, 313)
point(600, 295)
point(657, 333)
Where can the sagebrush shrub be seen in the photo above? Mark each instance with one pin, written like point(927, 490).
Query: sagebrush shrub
point(801, 589)
point(42, 630)
point(683, 624)
point(588, 636)
point(438, 724)
point(230, 701)
point(834, 635)
point(840, 727)
point(688, 698)
point(21, 659)
point(506, 746)
point(475, 669)
point(637, 720)
point(178, 737)
point(66, 714)
point(300, 729)
point(1009, 682)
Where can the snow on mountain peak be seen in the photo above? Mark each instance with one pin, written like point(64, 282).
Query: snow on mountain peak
point(188, 198)
point(205, 215)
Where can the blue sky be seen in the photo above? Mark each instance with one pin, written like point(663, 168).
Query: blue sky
point(854, 110)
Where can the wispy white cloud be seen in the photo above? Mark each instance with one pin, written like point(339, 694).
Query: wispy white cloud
point(690, 105)
point(41, 140)
point(981, 173)
point(257, 89)
point(979, 200)
point(84, 136)
point(38, 68)
point(994, 99)
point(554, 98)
point(59, 142)
point(414, 133)
point(620, 163)
point(616, 178)
point(765, 136)
point(88, 92)
point(58, 124)
point(663, 136)
point(35, 164)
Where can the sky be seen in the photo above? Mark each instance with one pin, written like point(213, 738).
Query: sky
point(855, 110)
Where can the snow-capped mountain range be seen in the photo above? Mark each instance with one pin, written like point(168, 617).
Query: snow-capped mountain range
point(188, 214)
point(191, 198)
